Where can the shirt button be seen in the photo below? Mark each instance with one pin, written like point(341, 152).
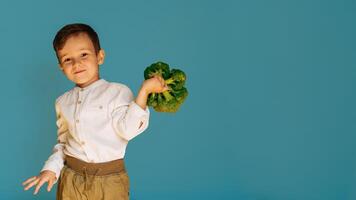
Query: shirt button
point(77, 120)
point(82, 143)
point(100, 107)
point(82, 89)
point(79, 102)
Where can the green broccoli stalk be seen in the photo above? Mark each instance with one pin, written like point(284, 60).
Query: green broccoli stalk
point(167, 95)
point(152, 99)
point(160, 99)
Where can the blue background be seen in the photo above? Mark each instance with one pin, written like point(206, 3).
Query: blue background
point(271, 112)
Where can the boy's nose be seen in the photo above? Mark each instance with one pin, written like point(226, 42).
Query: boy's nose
point(76, 63)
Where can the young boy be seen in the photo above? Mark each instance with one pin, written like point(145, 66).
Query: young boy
point(95, 120)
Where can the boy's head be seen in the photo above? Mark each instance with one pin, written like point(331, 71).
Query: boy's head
point(79, 54)
point(70, 30)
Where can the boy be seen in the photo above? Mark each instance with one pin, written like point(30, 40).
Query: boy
point(95, 120)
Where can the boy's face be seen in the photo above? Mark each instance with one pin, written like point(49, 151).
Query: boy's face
point(79, 61)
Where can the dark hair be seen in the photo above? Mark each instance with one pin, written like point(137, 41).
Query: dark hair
point(74, 29)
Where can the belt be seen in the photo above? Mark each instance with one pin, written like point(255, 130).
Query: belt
point(98, 169)
point(90, 170)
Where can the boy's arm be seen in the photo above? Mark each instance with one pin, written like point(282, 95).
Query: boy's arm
point(132, 116)
point(55, 162)
point(141, 100)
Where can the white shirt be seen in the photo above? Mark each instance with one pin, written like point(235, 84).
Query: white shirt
point(95, 124)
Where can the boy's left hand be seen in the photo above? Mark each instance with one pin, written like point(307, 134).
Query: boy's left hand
point(155, 84)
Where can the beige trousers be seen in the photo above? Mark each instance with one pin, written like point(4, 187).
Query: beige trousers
point(93, 181)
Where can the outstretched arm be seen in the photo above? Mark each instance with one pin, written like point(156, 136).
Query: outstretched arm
point(51, 170)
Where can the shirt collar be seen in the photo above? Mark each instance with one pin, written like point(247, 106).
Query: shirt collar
point(91, 86)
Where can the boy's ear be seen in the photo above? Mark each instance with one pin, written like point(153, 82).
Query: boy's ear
point(101, 56)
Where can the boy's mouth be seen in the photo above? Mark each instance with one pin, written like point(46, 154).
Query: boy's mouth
point(77, 72)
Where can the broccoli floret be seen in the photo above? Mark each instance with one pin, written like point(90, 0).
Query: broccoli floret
point(180, 94)
point(158, 68)
point(177, 79)
point(166, 106)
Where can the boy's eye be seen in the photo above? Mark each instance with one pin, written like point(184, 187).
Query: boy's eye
point(84, 54)
point(66, 60)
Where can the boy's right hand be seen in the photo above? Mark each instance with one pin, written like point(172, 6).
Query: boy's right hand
point(42, 178)
point(155, 84)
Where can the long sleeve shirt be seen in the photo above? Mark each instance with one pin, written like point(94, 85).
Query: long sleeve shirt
point(95, 124)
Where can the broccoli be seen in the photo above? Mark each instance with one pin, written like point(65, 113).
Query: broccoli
point(173, 98)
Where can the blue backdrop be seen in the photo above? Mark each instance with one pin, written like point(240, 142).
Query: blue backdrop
point(271, 112)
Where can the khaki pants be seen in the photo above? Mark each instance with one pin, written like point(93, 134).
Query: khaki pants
point(93, 181)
